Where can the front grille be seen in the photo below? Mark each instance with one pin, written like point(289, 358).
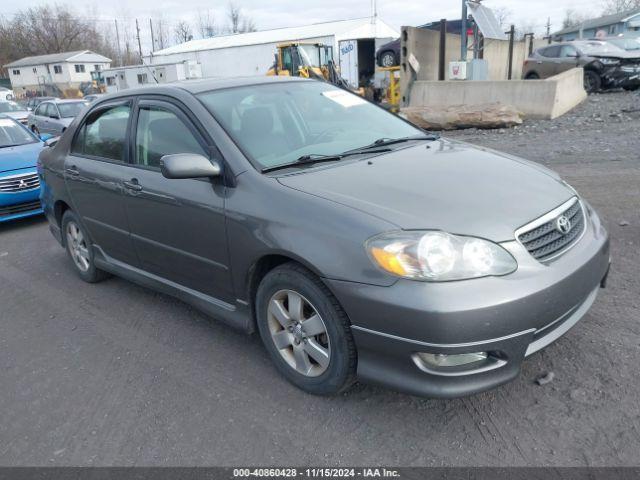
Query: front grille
point(544, 241)
point(19, 208)
point(19, 183)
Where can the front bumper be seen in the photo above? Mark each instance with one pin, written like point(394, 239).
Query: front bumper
point(622, 76)
point(15, 205)
point(509, 317)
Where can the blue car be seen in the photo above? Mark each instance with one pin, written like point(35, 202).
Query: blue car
point(19, 180)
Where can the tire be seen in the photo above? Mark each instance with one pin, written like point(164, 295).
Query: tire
point(328, 336)
point(592, 81)
point(82, 262)
point(388, 59)
point(532, 76)
point(631, 88)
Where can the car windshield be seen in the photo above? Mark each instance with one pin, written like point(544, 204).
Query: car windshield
point(70, 109)
point(12, 134)
point(626, 43)
point(598, 48)
point(275, 124)
point(10, 107)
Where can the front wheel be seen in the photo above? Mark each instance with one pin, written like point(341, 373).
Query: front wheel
point(305, 331)
point(592, 81)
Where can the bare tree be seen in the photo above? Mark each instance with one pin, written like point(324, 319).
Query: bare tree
point(503, 15)
point(572, 18)
point(182, 32)
point(238, 21)
point(161, 33)
point(206, 24)
point(618, 6)
point(51, 29)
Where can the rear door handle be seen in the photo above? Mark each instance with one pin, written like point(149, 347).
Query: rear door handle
point(132, 185)
point(73, 171)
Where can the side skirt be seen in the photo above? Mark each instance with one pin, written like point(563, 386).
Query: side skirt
point(235, 316)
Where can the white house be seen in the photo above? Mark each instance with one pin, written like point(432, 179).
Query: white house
point(64, 70)
point(354, 45)
point(122, 78)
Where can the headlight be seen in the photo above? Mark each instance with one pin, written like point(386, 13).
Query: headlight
point(438, 256)
point(609, 61)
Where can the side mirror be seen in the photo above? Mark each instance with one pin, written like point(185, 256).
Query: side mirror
point(51, 142)
point(45, 136)
point(188, 165)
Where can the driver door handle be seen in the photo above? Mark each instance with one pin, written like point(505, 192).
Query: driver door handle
point(132, 185)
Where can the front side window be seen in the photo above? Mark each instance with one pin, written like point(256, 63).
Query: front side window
point(568, 51)
point(275, 124)
point(104, 133)
point(551, 52)
point(161, 132)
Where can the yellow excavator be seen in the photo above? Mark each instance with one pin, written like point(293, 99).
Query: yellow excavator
point(307, 60)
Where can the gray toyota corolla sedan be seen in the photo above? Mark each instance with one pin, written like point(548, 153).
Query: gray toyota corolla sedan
point(356, 244)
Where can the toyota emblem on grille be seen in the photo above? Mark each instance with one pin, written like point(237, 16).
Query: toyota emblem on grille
point(22, 185)
point(563, 224)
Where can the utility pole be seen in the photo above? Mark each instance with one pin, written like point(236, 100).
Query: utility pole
point(118, 42)
point(138, 37)
point(153, 43)
point(549, 29)
point(463, 32)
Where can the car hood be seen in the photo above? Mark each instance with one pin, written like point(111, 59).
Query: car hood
point(445, 185)
point(19, 115)
point(16, 158)
point(622, 55)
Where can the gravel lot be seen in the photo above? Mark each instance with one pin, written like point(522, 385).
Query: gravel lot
point(113, 374)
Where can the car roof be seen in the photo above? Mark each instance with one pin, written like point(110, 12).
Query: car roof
point(206, 84)
point(65, 100)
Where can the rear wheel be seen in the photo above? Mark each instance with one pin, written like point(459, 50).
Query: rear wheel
point(80, 250)
point(305, 331)
point(592, 81)
point(532, 76)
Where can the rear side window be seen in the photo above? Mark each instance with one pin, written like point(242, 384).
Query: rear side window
point(161, 132)
point(551, 52)
point(104, 133)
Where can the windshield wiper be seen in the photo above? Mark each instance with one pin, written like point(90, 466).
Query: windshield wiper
point(383, 142)
point(312, 158)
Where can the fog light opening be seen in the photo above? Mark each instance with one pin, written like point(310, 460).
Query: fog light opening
point(441, 360)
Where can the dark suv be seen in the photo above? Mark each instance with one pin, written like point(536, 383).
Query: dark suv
point(605, 65)
point(354, 242)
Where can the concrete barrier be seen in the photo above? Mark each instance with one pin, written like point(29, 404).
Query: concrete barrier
point(546, 99)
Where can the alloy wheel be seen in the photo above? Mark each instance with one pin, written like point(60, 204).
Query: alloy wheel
point(77, 246)
point(299, 333)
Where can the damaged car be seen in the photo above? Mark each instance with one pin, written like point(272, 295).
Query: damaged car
point(605, 65)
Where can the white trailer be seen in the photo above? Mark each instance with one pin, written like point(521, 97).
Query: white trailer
point(249, 54)
point(122, 78)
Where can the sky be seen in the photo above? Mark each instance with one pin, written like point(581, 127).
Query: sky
point(284, 13)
